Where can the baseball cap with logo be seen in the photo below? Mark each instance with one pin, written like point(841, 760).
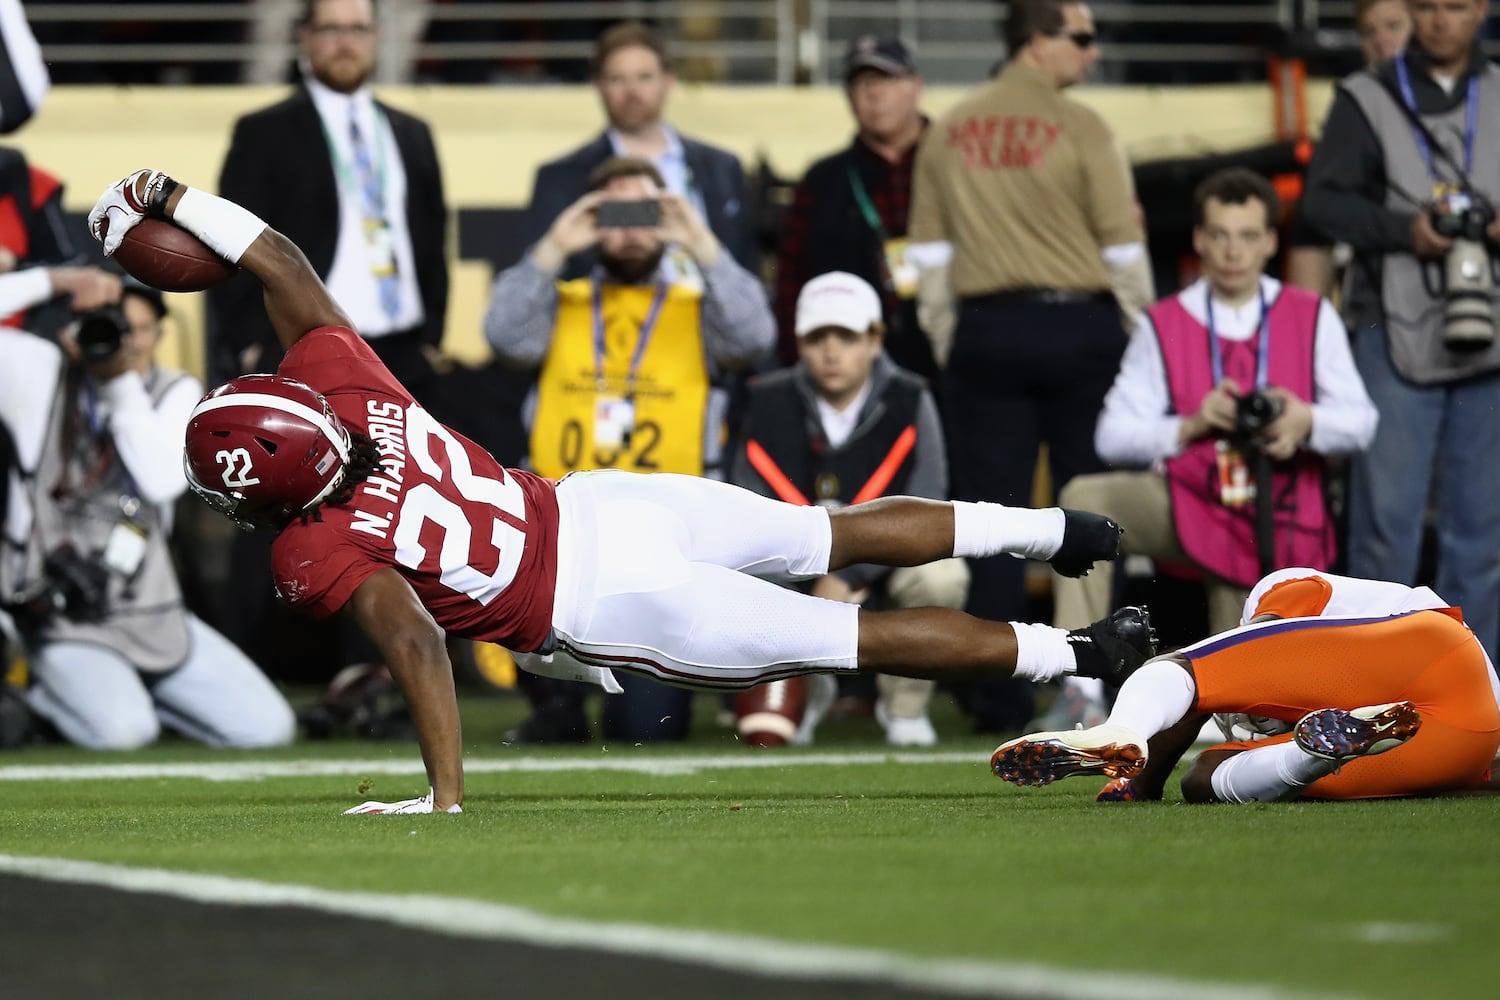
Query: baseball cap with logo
point(888, 55)
point(837, 299)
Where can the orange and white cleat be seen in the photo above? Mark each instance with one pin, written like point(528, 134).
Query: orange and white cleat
point(1108, 751)
point(1334, 734)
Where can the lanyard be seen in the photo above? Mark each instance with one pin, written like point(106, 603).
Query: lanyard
point(647, 328)
point(345, 170)
point(866, 205)
point(872, 217)
point(98, 429)
point(1471, 119)
point(91, 408)
point(1263, 359)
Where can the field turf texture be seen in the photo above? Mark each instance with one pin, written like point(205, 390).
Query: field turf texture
point(923, 855)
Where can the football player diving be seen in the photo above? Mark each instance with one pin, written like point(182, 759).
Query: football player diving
point(385, 514)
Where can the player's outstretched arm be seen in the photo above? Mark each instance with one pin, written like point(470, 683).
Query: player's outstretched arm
point(412, 643)
point(296, 299)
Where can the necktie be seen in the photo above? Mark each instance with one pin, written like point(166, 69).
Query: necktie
point(377, 230)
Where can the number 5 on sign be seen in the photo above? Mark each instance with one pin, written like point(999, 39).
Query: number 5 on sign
point(236, 468)
point(423, 503)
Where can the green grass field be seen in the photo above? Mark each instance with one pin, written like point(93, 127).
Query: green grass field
point(938, 859)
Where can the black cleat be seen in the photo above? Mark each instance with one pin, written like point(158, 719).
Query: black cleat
point(1087, 538)
point(1113, 647)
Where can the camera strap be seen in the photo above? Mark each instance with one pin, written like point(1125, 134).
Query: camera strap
point(1430, 148)
point(643, 339)
point(98, 433)
point(1216, 353)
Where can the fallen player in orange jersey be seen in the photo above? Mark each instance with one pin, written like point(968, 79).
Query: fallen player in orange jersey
point(1380, 690)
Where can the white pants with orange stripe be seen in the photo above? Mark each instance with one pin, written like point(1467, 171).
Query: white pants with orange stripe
point(660, 575)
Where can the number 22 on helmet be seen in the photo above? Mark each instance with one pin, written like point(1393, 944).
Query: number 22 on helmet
point(262, 449)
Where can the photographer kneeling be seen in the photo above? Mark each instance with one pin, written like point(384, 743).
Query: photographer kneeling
point(85, 574)
point(1235, 367)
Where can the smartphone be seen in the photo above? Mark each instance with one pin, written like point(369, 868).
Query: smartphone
point(628, 214)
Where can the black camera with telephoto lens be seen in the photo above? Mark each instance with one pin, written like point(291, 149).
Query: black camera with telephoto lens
point(101, 333)
point(1254, 412)
point(1468, 272)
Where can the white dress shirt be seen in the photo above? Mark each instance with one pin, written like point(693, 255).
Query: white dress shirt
point(351, 280)
point(671, 163)
point(1137, 427)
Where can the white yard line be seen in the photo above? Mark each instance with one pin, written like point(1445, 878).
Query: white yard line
point(740, 953)
point(411, 764)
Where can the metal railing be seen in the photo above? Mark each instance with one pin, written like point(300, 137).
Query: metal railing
point(776, 41)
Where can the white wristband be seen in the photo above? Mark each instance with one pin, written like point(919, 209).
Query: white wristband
point(227, 228)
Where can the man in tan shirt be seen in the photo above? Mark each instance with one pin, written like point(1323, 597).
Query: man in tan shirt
point(1026, 230)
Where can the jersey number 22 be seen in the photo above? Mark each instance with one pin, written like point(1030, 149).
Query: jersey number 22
point(424, 502)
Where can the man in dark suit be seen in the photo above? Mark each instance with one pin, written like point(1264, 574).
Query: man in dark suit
point(634, 80)
point(357, 186)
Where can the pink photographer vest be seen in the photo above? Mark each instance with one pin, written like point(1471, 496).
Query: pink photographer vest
point(1222, 539)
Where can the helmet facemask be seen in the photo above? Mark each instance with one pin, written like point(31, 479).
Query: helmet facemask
point(282, 449)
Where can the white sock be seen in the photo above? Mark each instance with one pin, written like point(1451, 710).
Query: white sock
point(988, 529)
point(1042, 652)
point(1268, 774)
point(1155, 697)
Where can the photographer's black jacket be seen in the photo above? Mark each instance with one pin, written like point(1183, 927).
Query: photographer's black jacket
point(1346, 191)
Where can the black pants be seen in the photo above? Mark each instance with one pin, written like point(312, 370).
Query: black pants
point(1024, 372)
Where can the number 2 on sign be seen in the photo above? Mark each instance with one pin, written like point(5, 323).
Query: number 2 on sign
point(237, 468)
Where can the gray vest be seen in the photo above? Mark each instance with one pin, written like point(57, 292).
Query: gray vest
point(1413, 315)
point(79, 492)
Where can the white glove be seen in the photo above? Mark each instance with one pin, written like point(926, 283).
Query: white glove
point(119, 210)
point(406, 807)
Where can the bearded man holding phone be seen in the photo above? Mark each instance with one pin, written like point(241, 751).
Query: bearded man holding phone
point(631, 359)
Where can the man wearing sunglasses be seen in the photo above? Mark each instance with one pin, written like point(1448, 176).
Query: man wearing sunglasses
point(1029, 245)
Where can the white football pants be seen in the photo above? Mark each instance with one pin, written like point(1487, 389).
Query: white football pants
point(659, 575)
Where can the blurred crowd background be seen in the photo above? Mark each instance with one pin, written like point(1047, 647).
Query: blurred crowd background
point(172, 42)
point(486, 100)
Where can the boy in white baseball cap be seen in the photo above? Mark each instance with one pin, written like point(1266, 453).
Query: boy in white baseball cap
point(846, 425)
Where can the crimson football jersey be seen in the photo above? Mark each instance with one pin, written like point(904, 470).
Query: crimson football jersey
point(478, 542)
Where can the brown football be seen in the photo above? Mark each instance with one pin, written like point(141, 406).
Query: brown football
point(768, 715)
point(170, 258)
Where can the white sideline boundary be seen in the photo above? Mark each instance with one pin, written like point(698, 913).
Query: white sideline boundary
point(253, 770)
point(739, 953)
